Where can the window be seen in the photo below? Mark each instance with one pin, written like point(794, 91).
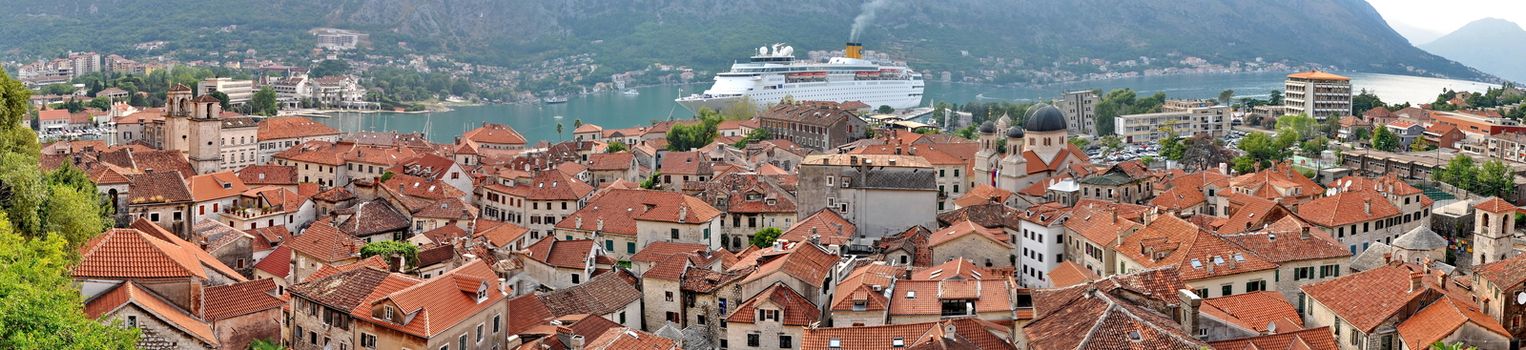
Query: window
point(1255, 286)
point(312, 337)
point(132, 321)
point(367, 341)
point(576, 278)
point(461, 341)
point(153, 217)
point(630, 247)
point(1227, 290)
point(497, 320)
point(1303, 273)
point(786, 342)
point(479, 332)
point(667, 295)
point(752, 340)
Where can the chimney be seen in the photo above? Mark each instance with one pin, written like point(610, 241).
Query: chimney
point(1415, 281)
point(598, 225)
point(1304, 234)
point(949, 331)
point(1367, 206)
point(1388, 257)
point(1187, 316)
point(577, 343)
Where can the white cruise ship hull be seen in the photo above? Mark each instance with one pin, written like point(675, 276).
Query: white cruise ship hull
point(769, 79)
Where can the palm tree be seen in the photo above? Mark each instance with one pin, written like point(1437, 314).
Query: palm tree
point(558, 131)
point(577, 123)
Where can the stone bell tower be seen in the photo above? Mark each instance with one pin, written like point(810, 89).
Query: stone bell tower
point(205, 130)
point(1493, 231)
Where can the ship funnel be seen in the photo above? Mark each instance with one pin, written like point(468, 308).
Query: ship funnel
point(854, 50)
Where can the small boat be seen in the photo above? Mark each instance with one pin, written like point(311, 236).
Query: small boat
point(554, 100)
point(631, 92)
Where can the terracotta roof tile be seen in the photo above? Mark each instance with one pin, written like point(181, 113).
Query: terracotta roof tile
point(130, 292)
point(913, 241)
point(325, 243)
point(1309, 339)
point(1068, 273)
point(1197, 253)
point(1442, 319)
point(831, 228)
point(277, 263)
point(276, 128)
point(527, 311)
point(865, 285)
point(1347, 208)
point(502, 234)
point(440, 303)
point(569, 254)
point(803, 261)
point(970, 333)
point(796, 310)
point(965, 228)
point(374, 217)
point(1283, 241)
point(619, 210)
point(1317, 75)
point(1366, 299)
point(158, 187)
point(214, 186)
point(1092, 317)
point(601, 295)
point(1496, 205)
point(1100, 223)
point(925, 297)
point(626, 338)
point(267, 174)
point(1255, 312)
point(959, 268)
point(494, 134)
point(238, 299)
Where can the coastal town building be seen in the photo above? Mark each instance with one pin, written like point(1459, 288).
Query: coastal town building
point(1317, 94)
point(1080, 109)
point(813, 124)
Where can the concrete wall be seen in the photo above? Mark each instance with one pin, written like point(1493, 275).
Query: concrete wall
point(659, 298)
point(238, 332)
point(162, 330)
point(977, 248)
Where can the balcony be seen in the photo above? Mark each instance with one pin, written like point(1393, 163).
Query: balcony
point(247, 213)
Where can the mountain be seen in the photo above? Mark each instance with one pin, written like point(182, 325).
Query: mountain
point(1492, 45)
point(1416, 35)
point(1024, 40)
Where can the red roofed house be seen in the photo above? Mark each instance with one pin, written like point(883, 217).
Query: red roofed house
point(1247, 315)
point(775, 318)
point(1311, 339)
point(748, 202)
point(321, 245)
point(1210, 264)
point(537, 205)
point(330, 311)
point(213, 192)
point(465, 308)
point(243, 312)
point(558, 264)
point(1398, 305)
point(276, 134)
point(1367, 210)
point(608, 167)
point(860, 299)
point(986, 246)
point(804, 267)
point(626, 221)
point(1502, 283)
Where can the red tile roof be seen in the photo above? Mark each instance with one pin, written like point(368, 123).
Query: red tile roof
point(207, 187)
point(1197, 253)
point(1317, 75)
point(831, 228)
point(287, 127)
point(277, 263)
point(1068, 273)
point(1366, 299)
point(1496, 205)
point(626, 338)
point(803, 261)
point(1442, 319)
point(502, 234)
point(1256, 312)
point(970, 333)
point(603, 294)
point(440, 303)
point(569, 254)
point(238, 299)
point(959, 268)
point(546, 186)
point(620, 209)
point(1347, 208)
point(796, 309)
point(623, 160)
point(1100, 223)
point(264, 174)
point(865, 285)
point(526, 311)
point(923, 298)
point(965, 228)
point(1283, 241)
point(1309, 339)
point(663, 250)
point(325, 243)
point(1091, 316)
point(494, 134)
point(131, 292)
point(134, 253)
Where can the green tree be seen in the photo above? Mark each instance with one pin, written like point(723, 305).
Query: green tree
point(755, 135)
point(577, 123)
point(1364, 101)
point(1226, 97)
point(1439, 345)
point(99, 103)
point(558, 131)
point(885, 109)
point(651, 181)
point(1079, 142)
point(330, 68)
point(684, 137)
point(73, 215)
point(1172, 147)
point(1203, 152)
point(1301, 125)
point(967, 132)
point(1360, 133)
point(262, 344)
point(765, 237)
point(1110, 143)
point(40, 307)
point(1384, 140)
point(1264, 149)
point(1313, 147)
point(14, 101)
point(264, 102)
point(1420, 145)
point(222, 98)
point(1495, 179)
point(1244, 164)
point(391, 250)
point(57, 89)
point(1460, 172)
point(615, 146)
point(1275, 99)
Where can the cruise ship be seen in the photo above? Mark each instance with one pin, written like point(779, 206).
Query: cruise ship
point(774, 73)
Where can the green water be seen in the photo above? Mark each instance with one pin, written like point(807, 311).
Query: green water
point(616, 110)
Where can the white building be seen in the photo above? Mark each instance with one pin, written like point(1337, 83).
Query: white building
point(1318, 94)
point(238, 91)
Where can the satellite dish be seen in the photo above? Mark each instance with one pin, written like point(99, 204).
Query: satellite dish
point(1520, 298)
point(788, 50)
point(763, 51)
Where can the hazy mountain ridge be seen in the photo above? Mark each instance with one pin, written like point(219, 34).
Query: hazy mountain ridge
point(1348, 34)
point(1492, 45)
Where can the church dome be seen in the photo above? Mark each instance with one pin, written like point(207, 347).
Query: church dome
point(1045, 118)
point(1015, 133)
point(987, 128)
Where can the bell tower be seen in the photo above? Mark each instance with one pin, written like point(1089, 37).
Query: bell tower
point(177, 114)
point(205, 141)
point(1493, 231)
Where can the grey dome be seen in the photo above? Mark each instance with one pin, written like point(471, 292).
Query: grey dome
point(1015, 133)
point(1046, 118)
point(987, 127)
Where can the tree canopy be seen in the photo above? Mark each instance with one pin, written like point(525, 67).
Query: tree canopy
point(1384, 140)
point(765, 237)
point(264, 102)
point(391, 250)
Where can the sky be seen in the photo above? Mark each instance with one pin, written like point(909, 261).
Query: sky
point(1444, 16)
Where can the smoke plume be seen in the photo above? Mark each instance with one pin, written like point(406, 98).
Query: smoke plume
point(866, 16)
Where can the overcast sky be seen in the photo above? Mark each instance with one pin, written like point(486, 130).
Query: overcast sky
point(1445, 16)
